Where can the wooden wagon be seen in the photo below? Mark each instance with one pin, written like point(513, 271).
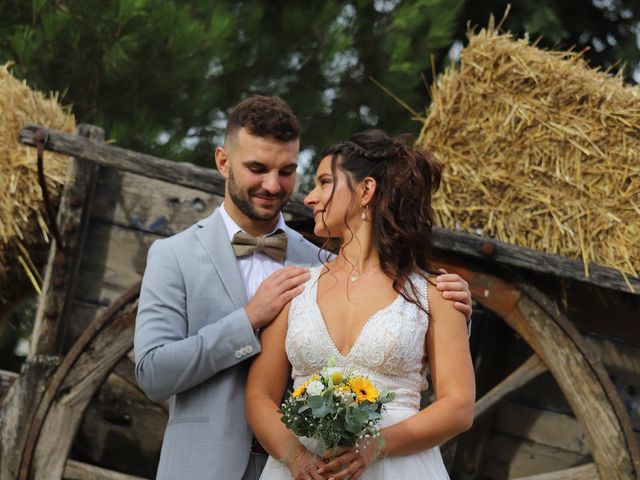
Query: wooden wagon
point(557, 355)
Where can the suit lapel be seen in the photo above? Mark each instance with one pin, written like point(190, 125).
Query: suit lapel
point(295, 251)
point(212, 233)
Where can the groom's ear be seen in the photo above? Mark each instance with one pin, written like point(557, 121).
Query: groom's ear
point(222, 161)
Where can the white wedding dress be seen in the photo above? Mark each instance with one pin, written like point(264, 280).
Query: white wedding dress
point(389, 350)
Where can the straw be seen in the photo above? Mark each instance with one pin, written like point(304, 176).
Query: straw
point(23, 234)
point(539, 150)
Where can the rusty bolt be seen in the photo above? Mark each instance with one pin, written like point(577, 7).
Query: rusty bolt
point(488, 249)
point(69, 227)
point(51, 313)
point(58, 281)
point(75, 201)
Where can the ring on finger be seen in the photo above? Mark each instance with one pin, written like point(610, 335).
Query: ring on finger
point(357, 464)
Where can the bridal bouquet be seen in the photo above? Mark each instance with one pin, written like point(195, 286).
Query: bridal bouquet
point(335, 408)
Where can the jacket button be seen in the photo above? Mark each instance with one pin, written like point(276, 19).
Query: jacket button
point(249, 349)
point(238, 354)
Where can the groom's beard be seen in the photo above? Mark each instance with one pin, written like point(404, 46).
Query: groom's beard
point(242, 200)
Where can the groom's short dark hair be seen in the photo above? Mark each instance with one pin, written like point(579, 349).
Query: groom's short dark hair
point(267, 117)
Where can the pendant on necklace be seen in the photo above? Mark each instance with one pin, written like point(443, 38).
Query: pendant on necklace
point(354, 278)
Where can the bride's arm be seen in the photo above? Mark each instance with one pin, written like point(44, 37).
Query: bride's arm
point(266, 383)
point(452, 376)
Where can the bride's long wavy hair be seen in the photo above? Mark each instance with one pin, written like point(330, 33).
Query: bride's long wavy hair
point(401, 211)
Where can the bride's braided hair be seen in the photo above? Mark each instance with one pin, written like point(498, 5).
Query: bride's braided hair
point(401, 211)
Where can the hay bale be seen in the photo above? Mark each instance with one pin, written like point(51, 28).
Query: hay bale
point(539, 150)
point(23, 232)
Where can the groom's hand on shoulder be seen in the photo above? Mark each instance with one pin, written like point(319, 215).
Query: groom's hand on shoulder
point(456, 289)
point(274, 293)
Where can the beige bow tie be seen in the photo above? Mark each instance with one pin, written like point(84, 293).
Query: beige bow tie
point(274, 245)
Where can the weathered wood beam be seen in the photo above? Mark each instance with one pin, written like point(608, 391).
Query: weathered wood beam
point(180, 173)
point(491, 250)
point(6, 380)
point(17, 410)
point(526, 372)
point(74, 470)
point(209, 180)
point(583, 472)
point(55, 301)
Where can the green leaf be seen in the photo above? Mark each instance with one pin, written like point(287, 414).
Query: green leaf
point(316, 401)
point(320, 412)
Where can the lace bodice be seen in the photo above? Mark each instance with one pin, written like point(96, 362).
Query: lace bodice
point(390, 349)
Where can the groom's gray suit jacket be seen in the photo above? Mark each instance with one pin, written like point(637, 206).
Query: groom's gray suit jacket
point(192, 343)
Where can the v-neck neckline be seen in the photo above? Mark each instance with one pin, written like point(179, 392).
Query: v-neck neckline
point(326, 328)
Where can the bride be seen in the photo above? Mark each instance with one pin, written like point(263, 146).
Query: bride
point(375, 311)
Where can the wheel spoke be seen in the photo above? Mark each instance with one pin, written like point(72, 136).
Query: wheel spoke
point(526, 372)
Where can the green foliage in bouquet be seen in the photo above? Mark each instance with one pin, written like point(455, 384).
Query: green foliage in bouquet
point(335, 408)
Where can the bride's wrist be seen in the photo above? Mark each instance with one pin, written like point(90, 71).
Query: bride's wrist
point(293, 455)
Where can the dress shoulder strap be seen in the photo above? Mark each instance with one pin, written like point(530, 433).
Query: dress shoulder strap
point(421, 285)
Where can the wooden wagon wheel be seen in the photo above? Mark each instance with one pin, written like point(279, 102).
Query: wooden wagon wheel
point(560, 349)
point(82, 372)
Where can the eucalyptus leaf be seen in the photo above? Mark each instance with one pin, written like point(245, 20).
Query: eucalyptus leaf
point(316, 401)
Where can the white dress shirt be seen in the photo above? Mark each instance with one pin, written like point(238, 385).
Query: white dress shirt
point(256, 267)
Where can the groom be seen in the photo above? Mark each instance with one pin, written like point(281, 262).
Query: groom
point(207, 291)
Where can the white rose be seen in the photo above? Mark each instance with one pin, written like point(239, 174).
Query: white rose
point(315, 388)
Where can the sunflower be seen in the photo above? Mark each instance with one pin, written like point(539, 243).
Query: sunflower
point(298, 392)
point(363, 389)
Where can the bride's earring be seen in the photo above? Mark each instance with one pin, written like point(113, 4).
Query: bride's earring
point(363, 215)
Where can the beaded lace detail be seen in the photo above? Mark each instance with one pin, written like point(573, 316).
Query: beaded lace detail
point(390, 349)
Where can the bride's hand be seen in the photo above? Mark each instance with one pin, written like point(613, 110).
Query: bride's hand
point(305, 466)
point(350, 462)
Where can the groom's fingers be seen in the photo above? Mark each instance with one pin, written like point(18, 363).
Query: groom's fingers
point(456, 296)
point(273, 293)
point(293, 280)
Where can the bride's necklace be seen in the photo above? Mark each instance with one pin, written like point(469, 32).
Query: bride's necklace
point(357, 274)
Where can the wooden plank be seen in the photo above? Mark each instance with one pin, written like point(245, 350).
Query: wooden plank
point(208, 180)
point(541, 426)
point(6, 380)
point(74, 470)
point(122, 429)
point(529, 370)
point(583, 472)
point(47, 337)
point(508, 457)
point(519, 257)
point(16, 411)
point(616, 354)
point(141, 203)
point(113, 260)
point(82, 314)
